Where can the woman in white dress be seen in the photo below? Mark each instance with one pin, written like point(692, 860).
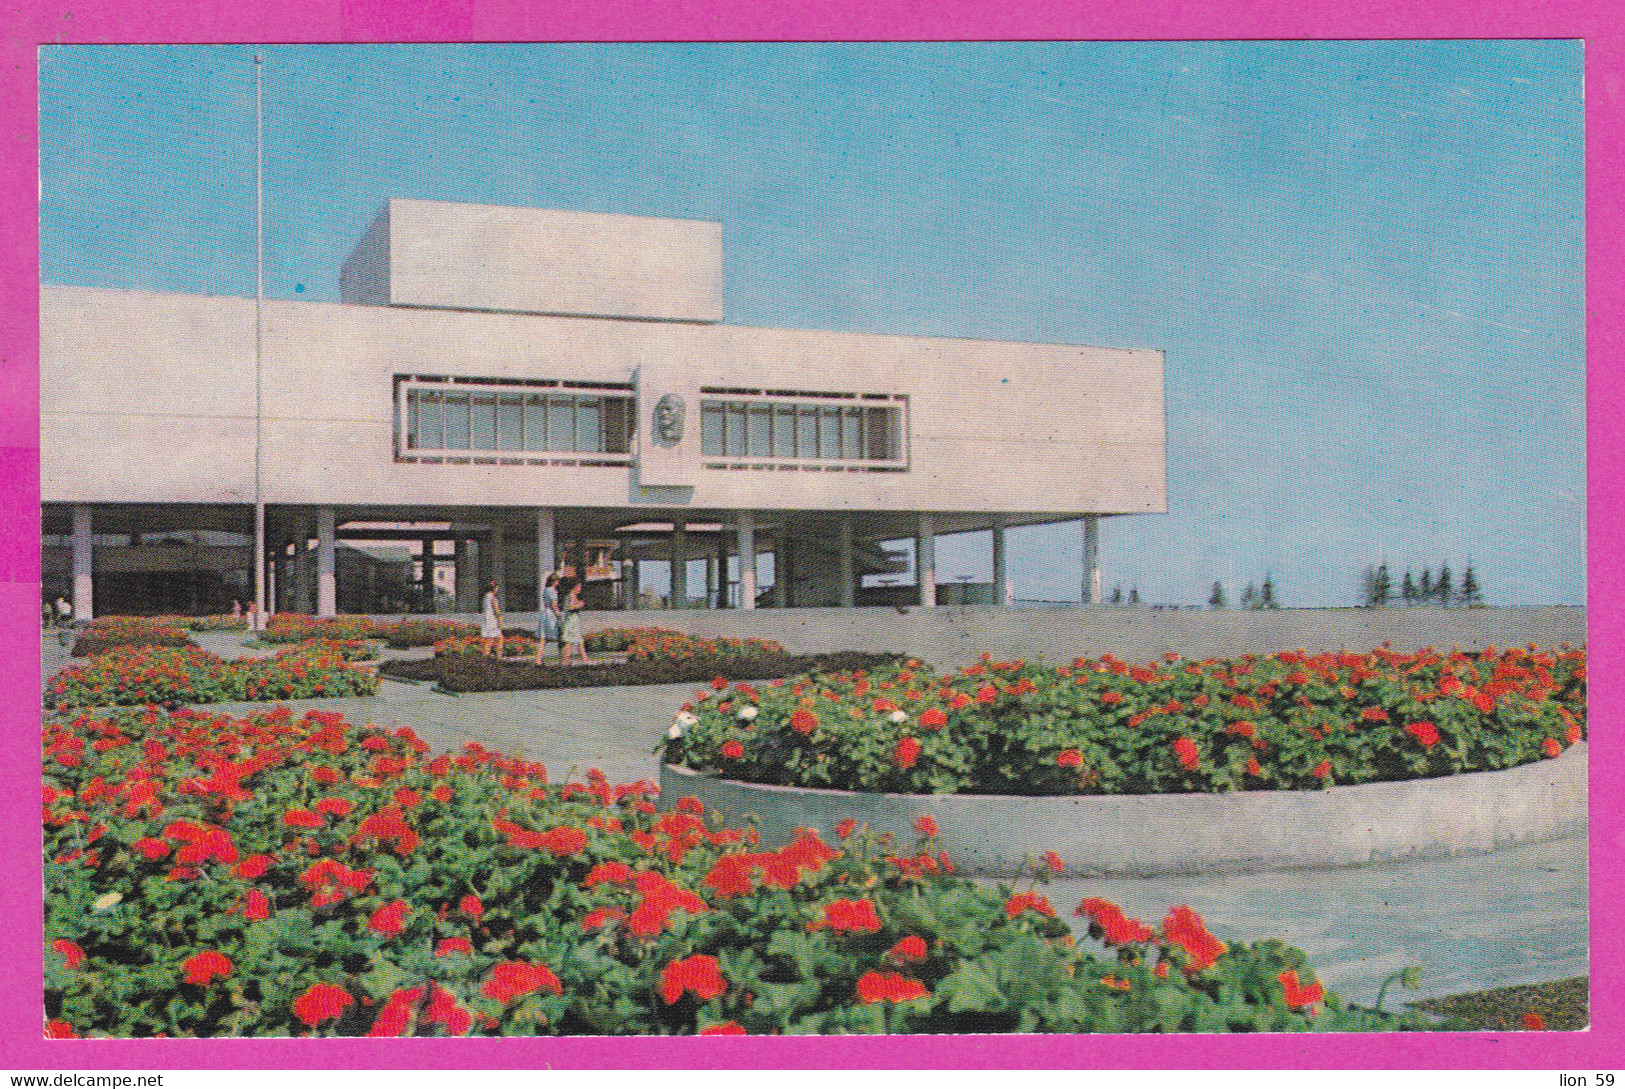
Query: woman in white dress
point(491, 624)
point(550, 619)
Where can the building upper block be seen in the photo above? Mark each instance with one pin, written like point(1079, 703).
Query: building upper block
point(436, 254)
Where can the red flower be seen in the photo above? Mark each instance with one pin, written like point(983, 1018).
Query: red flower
point(1241, 728)
point(1115, 927)
point(206, 966)
point(850, 916)
point(699, 975)
point(444, 1010)
point(470, 905)
point(1425, 733)
point(908, 750)
point(1553, 747)
point(720, 683)
point(1184, 928)
point(321, 1002)
point(301, 818)
point(564, 840)
point(1069, 758)
point(258, 906)
point(733, 750)
point(986, 694)
point(326, 776)
point(253, 866)
point(1374, 714)
point(70, 952)
point(453, 945)
point(151, 849)
point(1253, 767)
point(1109, 698)
point(1053, 861)
point(595, 919)
point(333, 807)
point(1574, 734)
point(845, 828)
point(934, 718)
point(511, 979)
point(396, 1015)
point(389, 919)
point(910, 950)
point(1185, 749)
point(1534, 1022)
point(889, 987)
point(612, 872)
point(60, 1030)
point(725, 1028)
point(1322, 769)
point(1028, 901)
point(926, 826)
point(803, 721)
point(1298, 996)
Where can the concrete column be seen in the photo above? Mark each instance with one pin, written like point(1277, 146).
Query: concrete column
point(546, 561)
point(679, 565)
point(327, 583)
point(781, 557)
point(847, 572)
point(716, 577)
point(629, 583)
point(273, 577)
point(301, 565)
point(925, 561)
point(499, 564)
point(747, 559)
point(1004, 587)
point(1091, 558)
point(83, 558)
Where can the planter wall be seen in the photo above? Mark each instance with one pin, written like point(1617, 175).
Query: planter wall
point(1148, 835)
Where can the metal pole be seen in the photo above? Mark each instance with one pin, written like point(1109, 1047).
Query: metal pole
point(259, 303)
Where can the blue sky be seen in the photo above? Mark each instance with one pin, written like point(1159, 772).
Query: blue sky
point(1363, 260)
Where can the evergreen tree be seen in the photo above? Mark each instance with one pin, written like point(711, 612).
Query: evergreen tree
point(1442, 589)
point(1471, 594)
point(1134, 595)
point(1117, 594)
point(1424, 592)
point(1368, 586)
point(1249, 597)
point(1407, 593)
point(1380, 588)
point(1266, 598)
point(1216, 598)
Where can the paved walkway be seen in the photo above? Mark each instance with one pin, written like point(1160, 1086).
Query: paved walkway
point(1515, 916)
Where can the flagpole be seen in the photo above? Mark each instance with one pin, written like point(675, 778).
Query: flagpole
point(259, 304)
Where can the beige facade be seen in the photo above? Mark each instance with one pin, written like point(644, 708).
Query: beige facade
point(149, 399)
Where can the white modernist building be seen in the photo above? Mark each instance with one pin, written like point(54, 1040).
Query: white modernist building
point(507, 391)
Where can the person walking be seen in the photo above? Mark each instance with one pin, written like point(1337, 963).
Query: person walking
point(570, 638)
point(64, 612)
point(491, 624)
point(549, 625)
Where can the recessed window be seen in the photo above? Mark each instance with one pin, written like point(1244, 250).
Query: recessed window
point(526, 422)
point(812, 428)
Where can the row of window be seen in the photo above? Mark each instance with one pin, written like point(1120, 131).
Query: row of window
point(523, 422)
point(488, 418)
point(800, 430)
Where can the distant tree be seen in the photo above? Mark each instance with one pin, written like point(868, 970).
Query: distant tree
point(1472, 595)
point(1134, 595)
point(1424, 592)
point(1368, 584)
point(1117, 594)
point(1442, 591)
point(1266, 595)
point(1249, 597)
point(1380, 588)
point(1216, 598)
point(1407, 592)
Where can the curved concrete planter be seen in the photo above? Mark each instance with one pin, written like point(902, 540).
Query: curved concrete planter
point(1144, 835)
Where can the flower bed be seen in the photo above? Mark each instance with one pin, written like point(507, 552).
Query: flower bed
point(480, 673)
point(106, 632)
point(514, 647)
point(218, 876)
point(297, 627)
point(170, 676)
point(217, 622)
point(425, 633)
point(1282, 722)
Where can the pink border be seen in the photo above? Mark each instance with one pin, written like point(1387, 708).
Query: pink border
point(38, 22)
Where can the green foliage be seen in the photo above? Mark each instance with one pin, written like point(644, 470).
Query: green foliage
point(272, 877)
point(1286, 721)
